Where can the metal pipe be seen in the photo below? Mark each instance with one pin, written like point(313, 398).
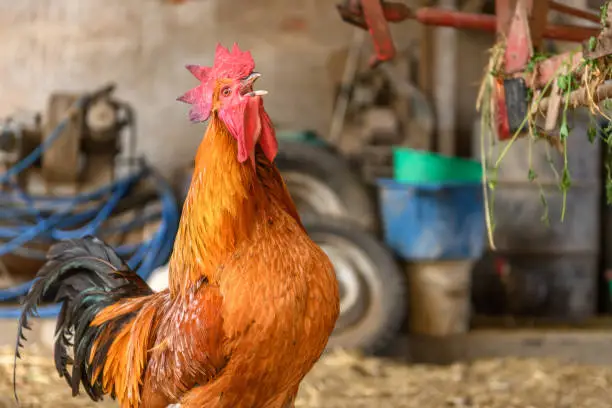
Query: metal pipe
point(572, 11)
point(456, 19)
point(445, 84)
point(484, 22)
point(570, 33)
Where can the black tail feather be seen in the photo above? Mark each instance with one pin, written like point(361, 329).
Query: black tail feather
point(85, 275)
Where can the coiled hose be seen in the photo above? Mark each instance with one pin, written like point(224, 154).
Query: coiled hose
point(40, 219)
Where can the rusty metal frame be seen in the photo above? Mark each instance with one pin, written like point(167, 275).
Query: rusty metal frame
point(523, 23)
point(374, 16)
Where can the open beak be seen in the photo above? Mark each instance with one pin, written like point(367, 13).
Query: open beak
point(247, 85)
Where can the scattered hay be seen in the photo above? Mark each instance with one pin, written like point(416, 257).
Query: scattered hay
point(578, 81)
point(38, 384)
point(346, 380)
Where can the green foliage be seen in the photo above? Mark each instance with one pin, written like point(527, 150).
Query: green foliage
point(592, 134)
point(535, 59)
point(592, 43)
point(531, 175)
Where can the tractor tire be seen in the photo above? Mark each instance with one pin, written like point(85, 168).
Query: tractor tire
point(322, 182)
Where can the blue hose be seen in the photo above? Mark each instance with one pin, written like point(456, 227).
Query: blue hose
point(47, 219)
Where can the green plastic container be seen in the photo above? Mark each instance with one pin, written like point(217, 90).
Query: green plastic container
point(418, 166)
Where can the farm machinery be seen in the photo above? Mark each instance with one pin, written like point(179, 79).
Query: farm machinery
point(528, 93)
point(523, 77)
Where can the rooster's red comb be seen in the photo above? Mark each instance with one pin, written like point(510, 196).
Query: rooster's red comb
point(234, 64)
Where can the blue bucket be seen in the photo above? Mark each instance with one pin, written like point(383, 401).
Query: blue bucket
point(433, 221)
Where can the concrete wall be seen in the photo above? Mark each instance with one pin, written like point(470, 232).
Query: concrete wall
point(74, 45)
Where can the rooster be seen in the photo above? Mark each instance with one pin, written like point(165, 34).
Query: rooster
point(251, 300)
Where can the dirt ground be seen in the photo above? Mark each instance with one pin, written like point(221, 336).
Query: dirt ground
point(344, 380)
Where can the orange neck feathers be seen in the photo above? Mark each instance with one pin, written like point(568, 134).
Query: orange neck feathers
point(225, 200)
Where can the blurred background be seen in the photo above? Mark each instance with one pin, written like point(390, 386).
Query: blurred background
point(452, 294)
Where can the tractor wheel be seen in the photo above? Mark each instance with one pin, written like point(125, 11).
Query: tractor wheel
point(321, 182)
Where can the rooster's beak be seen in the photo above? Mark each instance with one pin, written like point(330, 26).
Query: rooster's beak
point(254, 76)
point(248, 84)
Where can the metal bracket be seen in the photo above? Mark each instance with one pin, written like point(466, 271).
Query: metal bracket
point(373, 15)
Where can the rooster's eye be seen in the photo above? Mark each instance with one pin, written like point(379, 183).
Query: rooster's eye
point(226, 91)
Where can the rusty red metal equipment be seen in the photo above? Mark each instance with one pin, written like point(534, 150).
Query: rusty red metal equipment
point(523, 23)
point(374, 15)
point(485, 22)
